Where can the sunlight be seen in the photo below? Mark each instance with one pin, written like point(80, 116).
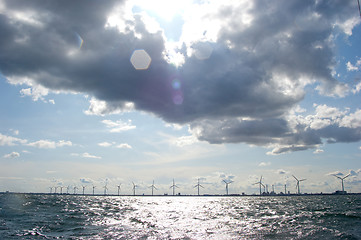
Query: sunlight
point(164, 9)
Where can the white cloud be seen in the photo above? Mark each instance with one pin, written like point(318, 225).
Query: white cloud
point(317, 151)
point(12, 155)
point(10, 141)
point(119, 125)
point(357, 88)
point(49, 144)
point(264, 164)
point(88, 155)
point(174, 126)
point(124, 145)
point(353, 120)
point(63, 143)
point(185, 140)
point(351, 67)
point(105, 144)
point(85, 155)
point(101, 108)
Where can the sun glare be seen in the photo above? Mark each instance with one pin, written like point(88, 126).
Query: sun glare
point(165, 9)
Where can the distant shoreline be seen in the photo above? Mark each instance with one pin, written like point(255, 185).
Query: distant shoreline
point(164, 195)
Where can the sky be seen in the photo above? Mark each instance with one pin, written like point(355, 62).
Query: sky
point(96, 93)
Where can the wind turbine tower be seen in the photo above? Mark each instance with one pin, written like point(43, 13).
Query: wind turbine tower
point(83, 189)
point(119, 189)
point(173, 186)
point(298, 184)
point(227, 183)
point(51, 189)
point(260, 185)
point(153, 187)
point(342, 178)
point(198, 185)
point(134, 187)
point(75, 188)
point(93, 189)
point(105, 189)
point(61, 190)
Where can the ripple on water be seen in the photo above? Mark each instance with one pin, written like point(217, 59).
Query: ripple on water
point(91, 217)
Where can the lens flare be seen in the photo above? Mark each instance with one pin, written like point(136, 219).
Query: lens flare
point(178, 98)
point(140, 59)
point(80, 40)
point(176, 84)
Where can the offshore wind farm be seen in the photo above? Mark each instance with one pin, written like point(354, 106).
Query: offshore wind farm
point(182, 119)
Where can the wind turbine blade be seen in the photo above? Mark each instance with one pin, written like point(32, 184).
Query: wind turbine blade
point(224, 181)
point(347, 176)
point(302, 180)
point(294, 177)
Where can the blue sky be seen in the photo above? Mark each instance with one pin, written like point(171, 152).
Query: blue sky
point(233, 90)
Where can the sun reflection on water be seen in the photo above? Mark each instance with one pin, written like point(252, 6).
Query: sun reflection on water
point(110, 217)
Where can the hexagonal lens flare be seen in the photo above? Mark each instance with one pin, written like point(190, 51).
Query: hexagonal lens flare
point(140, 59)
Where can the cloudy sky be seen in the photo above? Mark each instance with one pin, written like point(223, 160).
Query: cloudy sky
point(110, 92)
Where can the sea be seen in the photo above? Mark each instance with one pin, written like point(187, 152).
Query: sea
point(40, 216)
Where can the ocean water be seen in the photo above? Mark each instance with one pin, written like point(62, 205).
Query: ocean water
point(24, 216)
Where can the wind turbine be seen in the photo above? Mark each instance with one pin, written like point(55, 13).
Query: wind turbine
point(75, 188)
point(51, 189)
point(227, 183)
point(153, 187)
point(83, 189)
point(342, 178)
point(298, 184)
point(67, 189)
point(93, 189)
point(61, 189)
point(119, 189)
point(105, 189)
point(197, 186)
point(134, 187)
point(173, 186)
point(55, 189)
point(260, 185)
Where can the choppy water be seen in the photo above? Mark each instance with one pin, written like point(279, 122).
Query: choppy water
point(89, 217)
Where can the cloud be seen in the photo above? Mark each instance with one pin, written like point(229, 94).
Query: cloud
point(12, 155)
point(10, 141)
point(318, 151)
point(105, 144)
point(185, 141)
point(124, 145)
point(241, 66)
point(102, 108)
point(49, 144)
point(85, 180)
point(281, 171)
point(355, 67)
point(121, 145)
point(264, 164)
point(88, 155)
point(119, 125)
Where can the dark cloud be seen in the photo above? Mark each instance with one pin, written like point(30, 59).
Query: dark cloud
point(256, 71)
